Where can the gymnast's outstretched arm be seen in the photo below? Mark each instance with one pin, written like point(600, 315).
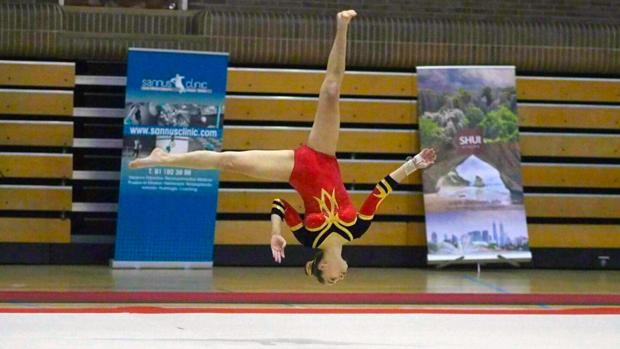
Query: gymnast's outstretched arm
point(282, 210)
point(423, 159)
point(385, 186)
point(278, 243)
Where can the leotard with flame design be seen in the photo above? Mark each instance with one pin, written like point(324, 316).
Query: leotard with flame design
point(329, 210)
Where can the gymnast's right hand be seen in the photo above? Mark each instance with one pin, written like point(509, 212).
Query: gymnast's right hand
point(278, 243)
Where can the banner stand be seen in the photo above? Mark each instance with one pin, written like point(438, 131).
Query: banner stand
point(512, 262)
point(473, 194)
point(452, 262)
point(500, 260)
point(174, 103)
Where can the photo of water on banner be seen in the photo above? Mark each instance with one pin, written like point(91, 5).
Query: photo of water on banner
point(473, 196)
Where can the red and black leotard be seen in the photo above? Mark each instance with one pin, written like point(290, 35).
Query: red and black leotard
point(329, 210)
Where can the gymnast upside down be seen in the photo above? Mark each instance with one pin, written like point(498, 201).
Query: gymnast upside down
point(312, 169)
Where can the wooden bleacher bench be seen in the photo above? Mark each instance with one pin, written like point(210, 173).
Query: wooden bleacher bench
point(404, 112)
point(39, 74)
point(35, 198)
point(36, 133)
point(292, 81)
point(36, 102)
point(230, 232)
point(534, 175)
point(36, 165)
point(385, 141)
point(35, 230)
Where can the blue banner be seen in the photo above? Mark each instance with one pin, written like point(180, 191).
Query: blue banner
point(175, 102)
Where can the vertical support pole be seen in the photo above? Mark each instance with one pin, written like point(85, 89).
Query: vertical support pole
point(219, 113)
point(353, 158)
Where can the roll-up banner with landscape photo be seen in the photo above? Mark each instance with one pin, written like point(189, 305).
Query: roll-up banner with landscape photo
point(473, 195)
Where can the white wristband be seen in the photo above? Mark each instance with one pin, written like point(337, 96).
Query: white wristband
point(410, 167)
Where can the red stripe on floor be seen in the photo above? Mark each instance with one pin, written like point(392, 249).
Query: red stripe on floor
point(167, 310)
point(311, 298)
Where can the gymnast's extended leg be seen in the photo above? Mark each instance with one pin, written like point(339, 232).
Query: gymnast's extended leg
point(324, 134)
point(275, 165)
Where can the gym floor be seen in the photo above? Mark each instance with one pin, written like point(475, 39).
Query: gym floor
point(98, 307)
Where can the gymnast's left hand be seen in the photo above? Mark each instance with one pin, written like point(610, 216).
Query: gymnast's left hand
point(278, 243)
point(425, 158)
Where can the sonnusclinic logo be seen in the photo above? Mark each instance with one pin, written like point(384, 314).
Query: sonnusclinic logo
point(176, 84)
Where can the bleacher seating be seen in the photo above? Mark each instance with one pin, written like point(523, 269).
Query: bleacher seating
point(569, 144)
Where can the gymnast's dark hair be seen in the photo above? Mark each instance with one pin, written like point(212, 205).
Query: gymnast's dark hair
point(314, 267)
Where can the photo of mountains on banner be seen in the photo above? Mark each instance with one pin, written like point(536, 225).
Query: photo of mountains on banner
point(474, 129)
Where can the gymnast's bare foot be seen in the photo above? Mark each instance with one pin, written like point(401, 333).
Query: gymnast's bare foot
point(345, 17)
point(156, 158)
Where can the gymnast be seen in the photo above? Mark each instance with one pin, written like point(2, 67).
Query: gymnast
point(312, 170)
